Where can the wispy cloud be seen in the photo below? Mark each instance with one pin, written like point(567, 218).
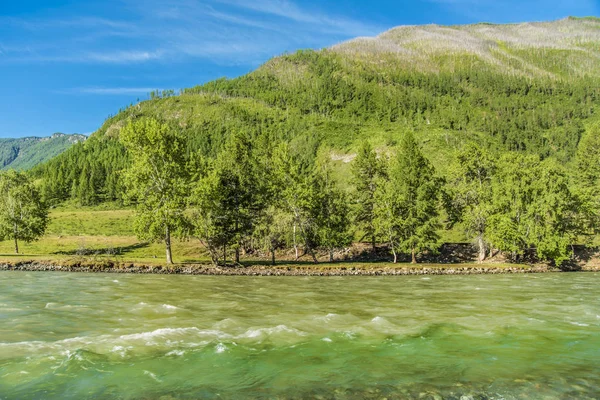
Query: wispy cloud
point(291, 11)
point(226, 31)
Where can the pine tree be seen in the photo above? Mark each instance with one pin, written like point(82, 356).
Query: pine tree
point(587, 175)
point(331, 211)
point(416, 186)
point(366, 171)
point(388, 215)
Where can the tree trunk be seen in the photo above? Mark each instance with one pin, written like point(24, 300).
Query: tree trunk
point(314, 256)
point(330, 255)
point(491, 251)
point(237, 255)
point(272, 256)
point(295, 243)
point(374, 244)
point(224, 254)
point(16, 233)
point(413, 256)
point(481, 245)
point(168, 245)
point(395, 255)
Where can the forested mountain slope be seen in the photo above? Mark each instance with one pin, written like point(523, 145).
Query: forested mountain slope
point(26, 153)
point(531, 87)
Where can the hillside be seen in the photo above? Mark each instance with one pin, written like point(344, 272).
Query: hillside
point(26, 153)
point(531, 87)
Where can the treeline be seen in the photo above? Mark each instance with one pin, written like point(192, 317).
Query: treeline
point(264, 195)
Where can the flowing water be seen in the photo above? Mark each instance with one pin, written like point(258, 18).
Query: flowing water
point(77, 336)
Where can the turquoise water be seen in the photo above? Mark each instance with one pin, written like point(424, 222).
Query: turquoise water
point(75, 336)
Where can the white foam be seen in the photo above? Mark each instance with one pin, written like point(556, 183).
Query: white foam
point(326, 339)
point(220, 348)
point(169, 307)
point(178, 353)
point(579, 324)
point(254, 333)
point(120, 350)
point(153, 376)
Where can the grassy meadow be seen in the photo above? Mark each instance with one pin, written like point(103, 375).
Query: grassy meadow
point(104, 233)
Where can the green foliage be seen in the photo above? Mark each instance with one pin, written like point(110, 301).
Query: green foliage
point(366, 171)
point(418, 191)
point(587, 175)
point(388, 215)
point(299, 197)
point(156, 179)
point(533, 208)
point(23, 215)
point(469, 192)
point(332, 212)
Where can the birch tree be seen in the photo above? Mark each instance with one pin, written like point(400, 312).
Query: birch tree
point(156, 179)
point(23, 215)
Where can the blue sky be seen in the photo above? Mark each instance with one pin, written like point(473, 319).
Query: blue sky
point(65, 65)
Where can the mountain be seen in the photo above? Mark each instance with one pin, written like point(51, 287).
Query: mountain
point(532, 87)
point(26, 153)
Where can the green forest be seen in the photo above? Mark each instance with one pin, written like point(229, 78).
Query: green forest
point(317, 149)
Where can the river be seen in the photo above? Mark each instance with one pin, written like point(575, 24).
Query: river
point(77, 336)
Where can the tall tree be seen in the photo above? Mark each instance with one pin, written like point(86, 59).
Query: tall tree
point(272, 229)
point(331, 212)
point(554, 213)
point(23, 215)
point(156, 179)
point(470, 189)
point(366, 171)
point(216, 219)
point(388, 215)
point(299, 197)
point(417, 188)
point(533, 208)
point(587, 178)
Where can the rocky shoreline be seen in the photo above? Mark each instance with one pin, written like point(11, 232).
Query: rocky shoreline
point(308, 270)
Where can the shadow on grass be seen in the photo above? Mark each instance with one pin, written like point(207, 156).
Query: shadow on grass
point(109, 251)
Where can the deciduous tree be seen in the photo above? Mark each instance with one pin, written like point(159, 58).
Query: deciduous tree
point(156, 179)
point(23, 215)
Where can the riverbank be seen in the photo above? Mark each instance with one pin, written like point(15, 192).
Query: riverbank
point(341, 269)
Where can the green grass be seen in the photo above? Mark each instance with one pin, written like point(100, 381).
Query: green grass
point(91, 223)
point(104, 233)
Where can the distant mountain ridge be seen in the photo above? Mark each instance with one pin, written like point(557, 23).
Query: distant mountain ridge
point(25, 153)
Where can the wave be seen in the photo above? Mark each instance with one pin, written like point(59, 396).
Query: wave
point(129, 344)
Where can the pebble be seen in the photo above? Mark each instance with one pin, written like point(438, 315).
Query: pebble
point(110, 267)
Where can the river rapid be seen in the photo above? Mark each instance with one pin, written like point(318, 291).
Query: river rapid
point(77, 336)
